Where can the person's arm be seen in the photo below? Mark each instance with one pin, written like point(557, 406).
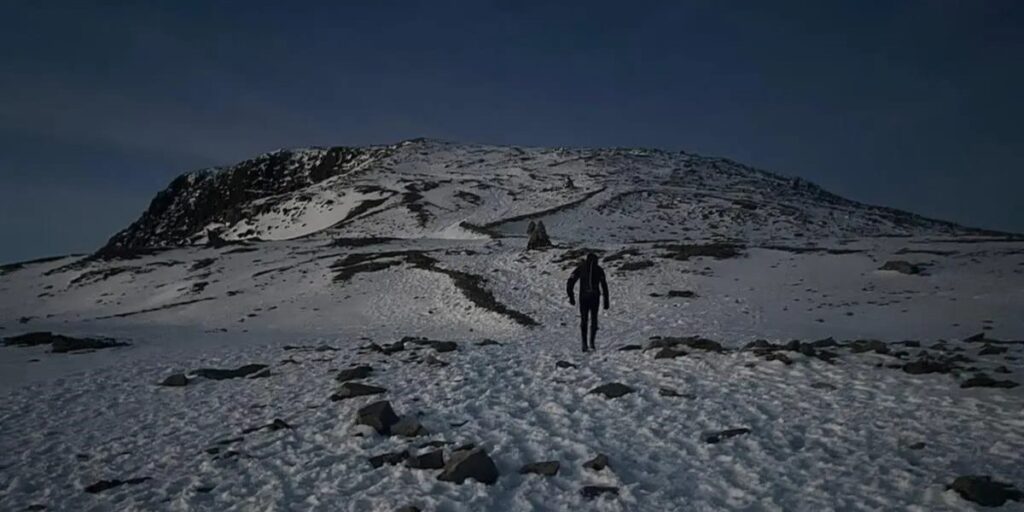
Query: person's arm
point(571, 285)
point(604, 289)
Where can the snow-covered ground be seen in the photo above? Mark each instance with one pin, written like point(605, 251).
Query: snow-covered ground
point(840, 436)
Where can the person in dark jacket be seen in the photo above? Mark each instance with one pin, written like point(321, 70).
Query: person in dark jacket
point(593, 286)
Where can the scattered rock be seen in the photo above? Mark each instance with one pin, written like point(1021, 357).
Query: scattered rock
point(595, 491)
point(59, 343)
point(433, 361)
point(717, 437)
point(429, 460)
point(626, 348)
point(104, 485)
point(671, 393)
point(823, 385)
point(876, 346)
point(547, 468)
point(379, 416)
point(487, 342)
point(408, 426)
point(176, 380)
point(473, 463)
point(222, 374)
point(926, 365)
point(984, 381)
point(824, 343)
point(990, 349)
point(612, 390)
point(354, 373)
point(390, 459)
point(598, 463)
point(903, 267)
point(354, 389)
point(684, 294)
point(564, 364)
point(776, 356)
point(985, 491)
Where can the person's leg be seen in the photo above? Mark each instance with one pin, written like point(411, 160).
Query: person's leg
point(583, 322)
point(593, 325)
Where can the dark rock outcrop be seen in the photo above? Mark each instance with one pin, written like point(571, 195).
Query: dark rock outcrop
point(598, 463)
point(390, 459)
point(104, 485)
point(176, 380)
point(538, 236)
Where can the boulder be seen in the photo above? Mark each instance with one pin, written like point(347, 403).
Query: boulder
point(538, 237)
point(985, 491)
point(444, 346)
point(547, 468)
point(598, 463)
point(473, 463)
point(354, 389)
point(408, 426)
point(354, 373)
point(176, 380)
point(379, 416)
point(612, 390)
point(428, 460)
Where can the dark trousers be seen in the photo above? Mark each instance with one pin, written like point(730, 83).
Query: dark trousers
point(588, 311)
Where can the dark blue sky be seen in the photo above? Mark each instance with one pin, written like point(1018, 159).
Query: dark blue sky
point(913, 104)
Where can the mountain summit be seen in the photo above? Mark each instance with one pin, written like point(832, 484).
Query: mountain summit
point(426, 188)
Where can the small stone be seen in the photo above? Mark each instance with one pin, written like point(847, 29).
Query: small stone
point(594, 491)
point(176, 380)
point(823, 385)
point(548, 468)
point(354, 389)
point(612, 390)
point(717, 437)
point(917, 446)
point(564, 364)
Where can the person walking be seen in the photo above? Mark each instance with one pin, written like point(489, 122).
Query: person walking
point(593, 287)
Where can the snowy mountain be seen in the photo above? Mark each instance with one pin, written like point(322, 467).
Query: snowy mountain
point(360, 316)
point(432, 189)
